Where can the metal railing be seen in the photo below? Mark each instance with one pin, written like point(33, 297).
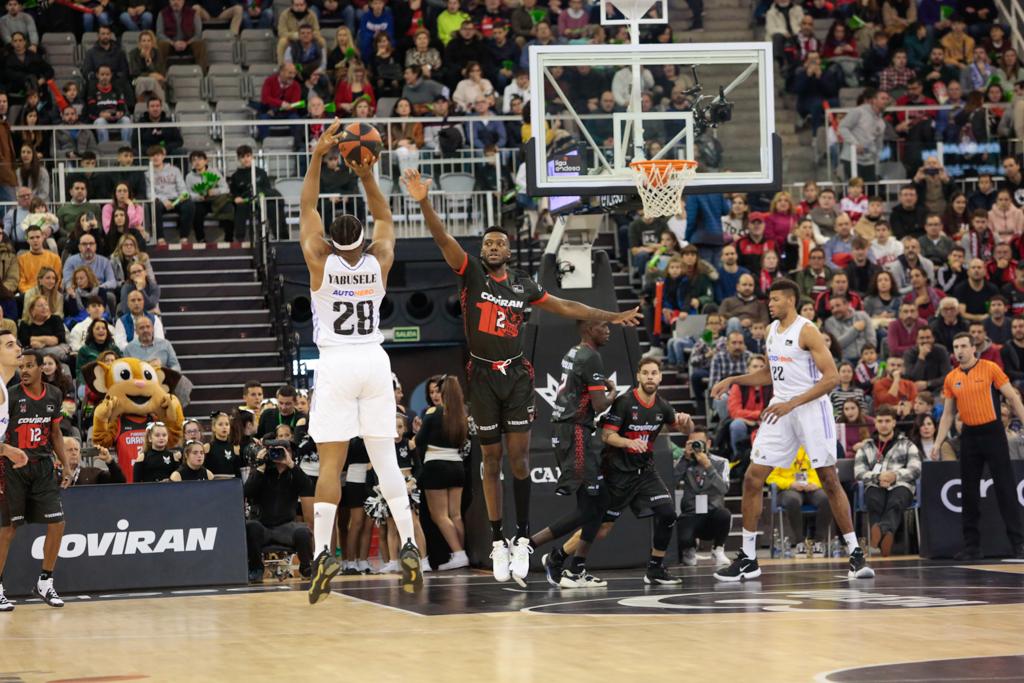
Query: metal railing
point(887, 190)
point(1012, 13)
point(265, 255)
point(979, 156)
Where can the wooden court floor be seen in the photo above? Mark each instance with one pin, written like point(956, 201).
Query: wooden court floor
point(803, 621)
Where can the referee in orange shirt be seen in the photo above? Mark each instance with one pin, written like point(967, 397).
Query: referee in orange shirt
point(969, 389)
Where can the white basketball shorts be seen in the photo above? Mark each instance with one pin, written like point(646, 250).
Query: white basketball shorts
point(353, 394)
point(811, 425)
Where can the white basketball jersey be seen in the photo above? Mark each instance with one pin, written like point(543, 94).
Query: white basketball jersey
point(793, 368)
point(346, 308)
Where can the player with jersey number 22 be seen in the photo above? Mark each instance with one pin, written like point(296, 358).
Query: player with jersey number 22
point(495, 300)
point(802, 373)
point(353, 394)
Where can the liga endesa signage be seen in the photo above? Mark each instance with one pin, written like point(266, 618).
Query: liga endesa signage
point(132, 536)
point(941, 530)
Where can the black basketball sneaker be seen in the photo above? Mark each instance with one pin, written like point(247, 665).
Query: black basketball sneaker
point(742, 567)
point(859, 568)
point(412, 572)
point(325, 568)
point(659, 576)
point(552, 569)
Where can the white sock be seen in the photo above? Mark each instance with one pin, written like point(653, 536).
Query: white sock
point(392, 484)
point(750, 544)
point(851, 541)
point(323, 526)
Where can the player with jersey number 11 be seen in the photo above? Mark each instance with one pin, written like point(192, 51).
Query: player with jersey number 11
point(495, 301)
point(802, 373)
point(353, 395)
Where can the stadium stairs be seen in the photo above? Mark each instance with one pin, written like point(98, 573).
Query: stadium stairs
point(729, 21)
point(216, 315)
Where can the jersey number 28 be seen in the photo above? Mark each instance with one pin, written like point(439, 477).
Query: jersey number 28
point(363, 312)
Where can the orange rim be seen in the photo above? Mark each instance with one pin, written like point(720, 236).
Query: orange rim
point(656, 172)
point(675, 164)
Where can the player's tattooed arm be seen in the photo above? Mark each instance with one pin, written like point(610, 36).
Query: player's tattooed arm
point(418, 189)
point(574, 309)
point(615, 441)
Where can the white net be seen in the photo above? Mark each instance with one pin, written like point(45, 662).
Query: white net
point(660, 184)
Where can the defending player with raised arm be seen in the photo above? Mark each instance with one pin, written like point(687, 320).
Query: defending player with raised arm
point(802, 372)
point(500, 380)
point(353, 394)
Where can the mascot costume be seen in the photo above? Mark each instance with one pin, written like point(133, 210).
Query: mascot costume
point(135, 394)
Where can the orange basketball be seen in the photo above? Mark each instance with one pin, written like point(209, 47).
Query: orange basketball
point(360, 143)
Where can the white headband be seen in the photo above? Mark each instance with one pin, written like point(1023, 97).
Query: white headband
point(348, 247)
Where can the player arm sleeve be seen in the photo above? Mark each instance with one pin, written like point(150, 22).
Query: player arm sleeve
point(593, 374)
point(535, 294)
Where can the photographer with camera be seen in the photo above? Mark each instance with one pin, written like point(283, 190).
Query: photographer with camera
point(702, 480)
point(273, 488)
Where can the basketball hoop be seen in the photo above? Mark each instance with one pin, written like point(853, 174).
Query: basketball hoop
point(660, 184)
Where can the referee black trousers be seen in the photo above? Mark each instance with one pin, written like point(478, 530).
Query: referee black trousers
point(981, 445)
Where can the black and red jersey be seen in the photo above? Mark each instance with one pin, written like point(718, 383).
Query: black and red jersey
point(494, 310)
point(634, 419)
point(582, 372)
point(32, 418)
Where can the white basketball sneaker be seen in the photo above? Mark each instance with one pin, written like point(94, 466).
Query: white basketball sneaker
point(520, 564)
point(44, 589)
point(457, 561)
point(718, 555)
point(5, 604)
point(500, 559)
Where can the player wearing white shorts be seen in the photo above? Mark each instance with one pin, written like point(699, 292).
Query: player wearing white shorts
point(802, 373)
point(354, 395)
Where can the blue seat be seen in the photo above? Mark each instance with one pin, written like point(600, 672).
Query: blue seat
point(912, 509)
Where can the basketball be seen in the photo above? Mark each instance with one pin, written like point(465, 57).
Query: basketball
point(360, 143)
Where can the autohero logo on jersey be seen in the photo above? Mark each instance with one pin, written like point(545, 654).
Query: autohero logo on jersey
point(125, 542)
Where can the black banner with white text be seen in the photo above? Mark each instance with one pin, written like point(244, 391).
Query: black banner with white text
point(139, 536)
point(941, 525)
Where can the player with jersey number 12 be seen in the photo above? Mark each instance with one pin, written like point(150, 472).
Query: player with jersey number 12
point(802, 373)
point(353, 394)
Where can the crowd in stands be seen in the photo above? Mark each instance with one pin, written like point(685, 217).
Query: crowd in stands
point(904, 53)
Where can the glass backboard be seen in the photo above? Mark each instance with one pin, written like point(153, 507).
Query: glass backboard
point(712, 102)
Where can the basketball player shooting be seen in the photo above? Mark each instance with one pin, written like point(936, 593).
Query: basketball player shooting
point(802, 373)
point(353, 395)
point(500, 379)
